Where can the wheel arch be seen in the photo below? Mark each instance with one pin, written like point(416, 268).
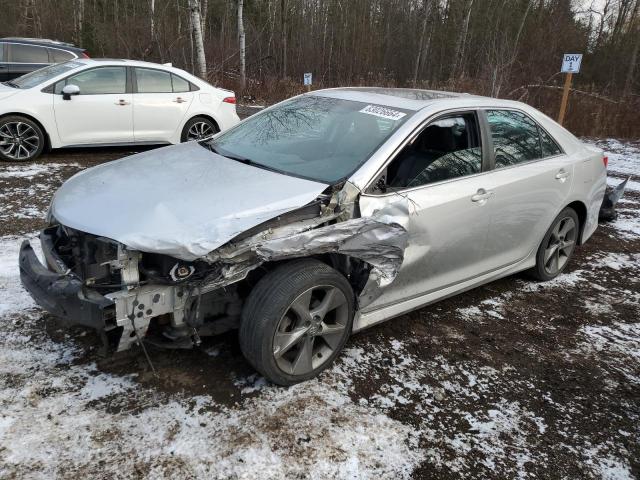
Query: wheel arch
point(581, 210)
point(47, 138)
point(191, 116)
point(356, 271)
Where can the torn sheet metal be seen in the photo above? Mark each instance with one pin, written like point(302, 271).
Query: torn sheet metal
point(611, 197)
point(379, 244)
point(183, 201)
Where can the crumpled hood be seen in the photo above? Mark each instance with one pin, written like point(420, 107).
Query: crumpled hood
point(183, 200)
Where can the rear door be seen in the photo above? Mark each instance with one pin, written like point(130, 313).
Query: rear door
point(530, 182)
point(101, 113)
point(161, 100)
point(23, 58)
point(4, 66)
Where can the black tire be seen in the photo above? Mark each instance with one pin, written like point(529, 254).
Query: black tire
point(21, 139)
point(187, 131)
point(543, 270)
point(269, 304)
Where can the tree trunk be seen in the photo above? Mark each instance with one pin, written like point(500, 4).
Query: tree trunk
point(628, 84)
point(241, 46)
point(423, 31)
point(203, 14)
point(198, 41)
point(152, 20)
point(283, 28)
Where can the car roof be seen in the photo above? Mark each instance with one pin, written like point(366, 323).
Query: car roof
point(413, 98)
point(43, 42)
point(120, 61)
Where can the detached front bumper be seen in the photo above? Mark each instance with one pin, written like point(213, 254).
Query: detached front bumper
point(61, 294)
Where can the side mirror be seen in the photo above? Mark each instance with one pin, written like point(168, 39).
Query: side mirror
point(69, 90)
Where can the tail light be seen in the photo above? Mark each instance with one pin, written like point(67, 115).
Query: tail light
point(85, 54)
point(229, 100)
point(605, 160)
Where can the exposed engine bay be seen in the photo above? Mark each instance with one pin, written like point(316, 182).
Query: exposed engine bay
point(170, 302)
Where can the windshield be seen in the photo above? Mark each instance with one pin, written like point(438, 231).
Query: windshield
point(322, 139)
point(37, 77)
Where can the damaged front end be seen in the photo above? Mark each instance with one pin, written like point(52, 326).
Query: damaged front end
point(130, 296)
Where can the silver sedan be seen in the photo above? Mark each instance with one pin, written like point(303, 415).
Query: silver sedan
point(318, 217)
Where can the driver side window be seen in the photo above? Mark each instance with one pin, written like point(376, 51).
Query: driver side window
point(97, 81)
point(447, 148)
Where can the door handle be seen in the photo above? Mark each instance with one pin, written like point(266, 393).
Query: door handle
point(180, 100)
point(122, 102)
point(562, 175)
point(482, 196)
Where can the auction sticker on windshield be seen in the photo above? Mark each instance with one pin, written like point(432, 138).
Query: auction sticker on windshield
point(383, 112)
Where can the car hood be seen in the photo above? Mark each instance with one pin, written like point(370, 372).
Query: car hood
point(183, 200)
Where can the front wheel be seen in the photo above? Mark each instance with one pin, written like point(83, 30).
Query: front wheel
point(199, 129)
point(557, 246)
point(296, 321)
point(21, 139)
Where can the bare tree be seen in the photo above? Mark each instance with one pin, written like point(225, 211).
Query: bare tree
point(241, 46)
point(198, 41)
point(152, 15)
point(421, 44)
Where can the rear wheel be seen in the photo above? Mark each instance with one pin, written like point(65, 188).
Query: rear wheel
point(199, 129)
point(296, 321)
point(557, 246)
point(21, 139)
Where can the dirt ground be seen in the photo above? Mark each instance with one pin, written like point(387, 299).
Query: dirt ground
point(515, 379)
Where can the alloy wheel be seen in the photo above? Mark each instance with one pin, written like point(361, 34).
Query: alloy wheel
point(18, 140)
point(312, 328)
point(560, 245)
point(200, 131)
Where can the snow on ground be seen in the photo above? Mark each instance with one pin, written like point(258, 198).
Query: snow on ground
point(54, 421)
point(624, 157)
point(31, 170)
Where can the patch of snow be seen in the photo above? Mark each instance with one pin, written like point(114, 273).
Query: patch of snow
point(624, 157)
point(33, 169)
point(607, 466)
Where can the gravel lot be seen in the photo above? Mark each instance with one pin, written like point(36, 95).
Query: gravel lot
point(515, 379)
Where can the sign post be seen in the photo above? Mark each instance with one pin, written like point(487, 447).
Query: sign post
point(570, 65)
point(308, 80)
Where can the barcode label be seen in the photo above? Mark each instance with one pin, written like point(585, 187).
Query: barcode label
point(382, 112)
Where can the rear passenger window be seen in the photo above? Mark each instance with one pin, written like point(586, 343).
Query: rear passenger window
point(153, 81)
point(27, 54)
point(515, 137)
point(180, 84)
point(447, 148)
point(549, 146)
point(1, 52)
point(59, 56)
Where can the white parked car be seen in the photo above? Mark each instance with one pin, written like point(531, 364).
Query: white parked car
point(94, 102)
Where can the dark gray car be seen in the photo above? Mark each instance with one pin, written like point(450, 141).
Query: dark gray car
point(19, 56)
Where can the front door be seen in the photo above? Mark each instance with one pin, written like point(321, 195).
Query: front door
point(438, 184)
point(4, 66)
point(101, 113)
